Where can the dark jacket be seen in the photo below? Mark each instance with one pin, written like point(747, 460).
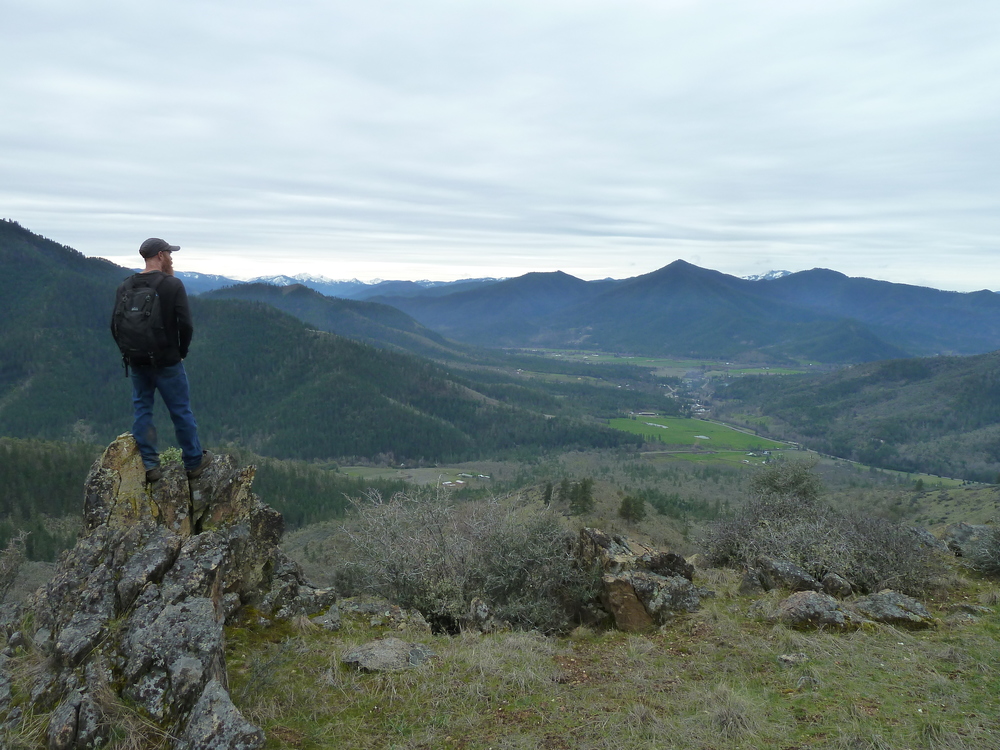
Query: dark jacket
point(176, 317)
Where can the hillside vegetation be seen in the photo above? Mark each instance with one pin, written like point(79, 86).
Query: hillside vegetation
point(379, 325)
point(939, 415)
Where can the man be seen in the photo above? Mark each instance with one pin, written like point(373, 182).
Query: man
point(151, 323)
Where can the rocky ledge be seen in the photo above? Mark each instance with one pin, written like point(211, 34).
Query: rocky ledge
point(136, 610)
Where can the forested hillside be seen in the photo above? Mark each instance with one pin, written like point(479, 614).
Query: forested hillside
point(260, 378)
point(379, 325)
point(939, 415)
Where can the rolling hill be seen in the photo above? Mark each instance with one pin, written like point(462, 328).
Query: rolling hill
point(939, 415)
point(376, 324)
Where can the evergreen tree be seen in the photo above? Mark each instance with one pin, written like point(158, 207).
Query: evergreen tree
point(563, 494)
point(581, 498)
point(632, 509)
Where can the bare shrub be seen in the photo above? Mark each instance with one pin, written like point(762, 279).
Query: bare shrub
point(11, 560)
point(984, 553)
point(424, 552)
point(785, 519)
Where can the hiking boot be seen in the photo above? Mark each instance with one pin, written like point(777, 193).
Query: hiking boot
point(154, 475)
point(206, 459)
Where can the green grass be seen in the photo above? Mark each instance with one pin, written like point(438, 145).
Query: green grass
point(555, 377)
point(708, 680)
point(667, 365)
point(679, 431)
point(726, 458)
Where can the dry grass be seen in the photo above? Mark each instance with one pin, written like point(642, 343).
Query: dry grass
point(711, 680)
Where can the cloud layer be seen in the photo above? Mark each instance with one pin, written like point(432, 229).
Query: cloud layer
point(453, 139)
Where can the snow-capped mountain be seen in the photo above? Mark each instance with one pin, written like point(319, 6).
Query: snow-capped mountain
point(767, 276)
point(197, 283)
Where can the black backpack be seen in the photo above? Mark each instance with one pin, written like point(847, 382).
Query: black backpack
point(137, 322)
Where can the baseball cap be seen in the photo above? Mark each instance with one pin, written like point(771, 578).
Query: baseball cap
point(155, 245)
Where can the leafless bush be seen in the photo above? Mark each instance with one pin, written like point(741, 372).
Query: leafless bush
point(11, 560)
point(984, 553)
point(424, 552)
point(870, 552)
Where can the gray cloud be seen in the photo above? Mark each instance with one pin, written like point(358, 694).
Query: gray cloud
point(447, 139)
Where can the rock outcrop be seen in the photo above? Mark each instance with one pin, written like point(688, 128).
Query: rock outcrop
point(810, 609)
point(387, 655)
point(775, 574)
point(892, 608)
point(641, 587)
point(136, 610)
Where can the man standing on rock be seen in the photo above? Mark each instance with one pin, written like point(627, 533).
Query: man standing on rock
point(151, 324)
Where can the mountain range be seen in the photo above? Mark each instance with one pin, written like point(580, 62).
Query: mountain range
point(682, 310)
point(198, 283)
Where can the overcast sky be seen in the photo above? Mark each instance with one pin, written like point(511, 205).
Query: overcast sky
point(444, 140)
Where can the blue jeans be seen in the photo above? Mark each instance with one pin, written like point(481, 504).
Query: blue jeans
point(172, 383)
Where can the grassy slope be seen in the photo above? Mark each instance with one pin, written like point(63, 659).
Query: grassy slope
point(709, 680)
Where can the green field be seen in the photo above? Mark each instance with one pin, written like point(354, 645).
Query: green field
point(694, 432)
point(665, 366)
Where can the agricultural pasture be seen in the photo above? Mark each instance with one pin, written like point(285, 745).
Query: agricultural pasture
point(694, 432)
point(667, 366)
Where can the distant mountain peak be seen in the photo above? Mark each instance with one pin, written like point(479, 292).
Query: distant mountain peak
point(768, 276)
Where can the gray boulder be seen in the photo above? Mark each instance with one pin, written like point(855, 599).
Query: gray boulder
point(779, 574)
point(892, 608)
point(836, 586)
point(387, 655)
point(138, 605)
point(810, 609)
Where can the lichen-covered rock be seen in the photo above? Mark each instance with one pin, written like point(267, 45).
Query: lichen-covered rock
point(641, 587)
point(837, 586)
point(616, 554)
point(216, 724)
point(387, 655)
point(750, 584)
point(811, 609)
point(138, 605)
point(612, 554)
point(666, 597)
point(892, 608)
point(780, 574)
point(62, 724)
point(329, 620)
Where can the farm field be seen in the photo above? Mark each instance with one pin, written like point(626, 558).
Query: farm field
point(694, 432)
point(555, 377)
point(665, 366)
